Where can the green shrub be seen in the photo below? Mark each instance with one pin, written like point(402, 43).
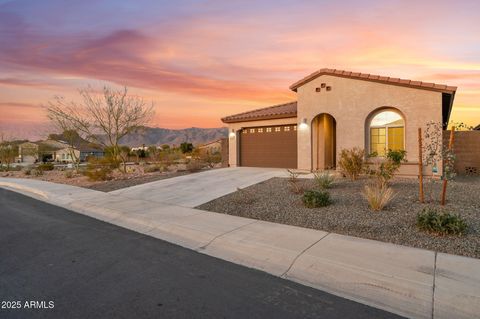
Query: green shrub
point(352, 162)
point(378, 195)
point(396, 156)
point(384, 169)
point(324, 180)
point(315, 198)
point(441, 223)
point(45, 167)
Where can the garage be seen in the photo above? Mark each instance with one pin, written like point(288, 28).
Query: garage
point(269, 146)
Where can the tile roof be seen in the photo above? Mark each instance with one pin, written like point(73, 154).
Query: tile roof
point(279, 111)
point(375, 78)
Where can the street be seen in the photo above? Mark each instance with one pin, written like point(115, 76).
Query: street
point(59, 264)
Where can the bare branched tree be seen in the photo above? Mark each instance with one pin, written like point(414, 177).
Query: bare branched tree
point(69, 133)
point(102, 118)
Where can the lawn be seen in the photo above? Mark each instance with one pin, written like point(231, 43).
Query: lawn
point(350, 214)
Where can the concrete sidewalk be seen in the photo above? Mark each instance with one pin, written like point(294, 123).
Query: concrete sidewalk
point(407, 281)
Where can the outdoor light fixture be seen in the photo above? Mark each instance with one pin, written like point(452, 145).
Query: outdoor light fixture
point(303, 124)
point(232, 133)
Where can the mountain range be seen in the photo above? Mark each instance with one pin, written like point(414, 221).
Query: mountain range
point(159, 136)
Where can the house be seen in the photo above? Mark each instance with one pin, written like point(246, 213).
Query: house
point(64, 155)
point(211, 148)
point(338, 110)
point(477, 128)
point(27, 153)
point(90, 150)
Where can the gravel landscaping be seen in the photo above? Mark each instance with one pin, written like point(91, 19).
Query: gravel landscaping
point(273, 201)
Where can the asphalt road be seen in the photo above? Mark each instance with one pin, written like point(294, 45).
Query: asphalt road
point(85, 268)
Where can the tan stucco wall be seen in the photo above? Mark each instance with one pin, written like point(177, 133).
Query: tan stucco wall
point(236, 127)
point(351, 102)
point(466, 148)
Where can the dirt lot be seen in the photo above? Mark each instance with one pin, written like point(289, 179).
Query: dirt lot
point(119, 180)
point(349, 214)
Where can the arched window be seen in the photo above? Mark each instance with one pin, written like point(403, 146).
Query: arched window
point(386, 132)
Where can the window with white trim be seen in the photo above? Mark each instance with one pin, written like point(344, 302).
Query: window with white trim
point(386, 132)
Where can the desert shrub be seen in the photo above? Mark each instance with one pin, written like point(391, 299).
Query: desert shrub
point(69, 174)
point(100, 169)
point(10, 168)
point(170, 157)
point(27, 171)
point(294, 182)
point(37, 172)
point(45, 167)
point(384, 169)
point(99, 173)
point(324, 180)
point(211, 159)
point(441, 223)
point(315, 198)
point(153, 168)
point(186, 147)
point(352, 162)
point(195, 165)
point(378, 195)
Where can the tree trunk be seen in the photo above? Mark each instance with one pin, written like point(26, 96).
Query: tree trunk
point(444, 188)
point(420, 166)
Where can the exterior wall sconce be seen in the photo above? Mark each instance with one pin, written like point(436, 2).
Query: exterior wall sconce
point(303, 124)
point(232, 133)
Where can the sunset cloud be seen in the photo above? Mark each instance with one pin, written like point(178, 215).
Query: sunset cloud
point(205, 59)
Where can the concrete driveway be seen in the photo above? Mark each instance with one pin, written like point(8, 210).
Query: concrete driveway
point(195, 189)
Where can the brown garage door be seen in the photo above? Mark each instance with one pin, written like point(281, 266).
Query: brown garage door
point(269, 146)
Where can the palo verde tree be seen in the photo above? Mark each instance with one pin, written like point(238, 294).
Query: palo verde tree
point(8, 151)
point(103, 117)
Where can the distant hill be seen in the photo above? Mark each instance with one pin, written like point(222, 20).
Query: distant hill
point(160, 136)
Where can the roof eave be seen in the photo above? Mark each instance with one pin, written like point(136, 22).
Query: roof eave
point(259, 118)
point(362, 77)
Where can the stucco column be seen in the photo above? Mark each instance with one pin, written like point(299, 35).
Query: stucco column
point(304, 144)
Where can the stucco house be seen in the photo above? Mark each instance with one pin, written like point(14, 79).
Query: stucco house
point(211, 147)
point(338, 110)
point(27, 153)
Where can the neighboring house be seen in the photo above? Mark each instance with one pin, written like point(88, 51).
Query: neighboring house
point(211, 148)
point(139, 148)
point(338, 110)
point(64, 155)
point(477, 128)
point(27, 153)
point(90, 150)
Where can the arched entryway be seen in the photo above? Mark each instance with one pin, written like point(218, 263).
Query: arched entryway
point(324, 146)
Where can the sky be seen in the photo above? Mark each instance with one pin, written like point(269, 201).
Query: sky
point(201, 60)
